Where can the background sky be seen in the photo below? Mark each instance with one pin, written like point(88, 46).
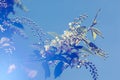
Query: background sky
point(54, 16)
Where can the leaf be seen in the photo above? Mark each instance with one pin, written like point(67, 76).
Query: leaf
point(57, 57)
point(74, 55)
point(58, 69)
point(78, 47)
point(92, 45)
point(83, 48)
point(54, 34)
point(18, 24)
point(87, 50)
point(46, 69)
point(81, 29)
point(94, 35)
point(96, 31)
point(20, 5)
point(37, 53)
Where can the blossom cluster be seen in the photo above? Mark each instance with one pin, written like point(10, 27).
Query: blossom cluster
point(70, 49)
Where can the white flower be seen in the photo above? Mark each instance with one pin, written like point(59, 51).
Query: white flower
point(63, 36)
point(67, 33)
point(53, 42)
point(46, 47)
point(70, 24)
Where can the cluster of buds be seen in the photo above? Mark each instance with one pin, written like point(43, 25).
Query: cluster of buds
point(70, 41)
point(70, 49)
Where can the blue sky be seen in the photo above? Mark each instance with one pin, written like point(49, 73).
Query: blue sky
point(54, 16)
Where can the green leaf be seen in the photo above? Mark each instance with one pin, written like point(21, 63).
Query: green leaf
point(54, 35)
point(58, 69)
point(20, 5)
point(46, 69)
point(94, 35)
point(87, 50)
point(96, 31)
